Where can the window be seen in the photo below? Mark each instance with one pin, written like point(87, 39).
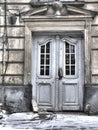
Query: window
point(45, 59)
point(69, 59)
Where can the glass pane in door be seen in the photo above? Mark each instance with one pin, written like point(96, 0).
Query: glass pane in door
point(45, 59)
point(70, 61)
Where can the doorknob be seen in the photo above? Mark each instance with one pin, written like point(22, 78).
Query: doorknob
point(60, 73)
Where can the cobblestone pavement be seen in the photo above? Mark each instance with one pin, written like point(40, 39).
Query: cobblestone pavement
point(49, 121)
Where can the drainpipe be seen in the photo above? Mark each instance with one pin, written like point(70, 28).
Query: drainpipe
point(5, 41)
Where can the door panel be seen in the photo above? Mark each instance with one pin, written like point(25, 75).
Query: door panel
point(43, 76)
point(45, 94)
point(70, 97)
point(57, 72)
point(70, 83)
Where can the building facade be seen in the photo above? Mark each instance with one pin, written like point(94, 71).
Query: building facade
point(48, 53)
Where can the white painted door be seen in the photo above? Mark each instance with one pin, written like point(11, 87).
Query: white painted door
point(57, 72)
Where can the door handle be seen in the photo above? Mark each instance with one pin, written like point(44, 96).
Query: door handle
point(60, 73)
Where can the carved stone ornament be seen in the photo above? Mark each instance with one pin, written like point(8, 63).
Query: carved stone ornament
point(57, 8)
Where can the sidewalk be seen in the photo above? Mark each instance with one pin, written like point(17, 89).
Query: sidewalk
point(49, 121)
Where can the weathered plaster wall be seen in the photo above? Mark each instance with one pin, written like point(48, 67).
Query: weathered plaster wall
point(94, 51)
point(91, 90)
point(16, 97)
point(14, 63)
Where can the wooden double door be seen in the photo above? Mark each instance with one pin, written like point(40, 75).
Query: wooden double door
point(57, 71)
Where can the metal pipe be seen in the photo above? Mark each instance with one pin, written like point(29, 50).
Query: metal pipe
point(5, 23)
point(5, 40)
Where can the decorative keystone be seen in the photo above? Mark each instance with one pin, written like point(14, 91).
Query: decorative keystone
point(57, 6)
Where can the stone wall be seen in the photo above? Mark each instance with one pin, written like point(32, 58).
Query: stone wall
point(94, 54)
point(13, 52)
point(93, 5)
point(13, 93)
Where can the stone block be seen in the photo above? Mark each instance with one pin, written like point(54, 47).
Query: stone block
point(1, 94)
point(0, 55)
point(94, 31)
point(16, 56)
point(95, 62)
point(1, 18)
point(16, 43)
point(0, 68)
point(94, 43)
point(1, 45)
point(91, 99)
point(15, 31)
point(94, 79)
point(18, 98)
point(0, 79)
point(15, 68)
point(13, 80)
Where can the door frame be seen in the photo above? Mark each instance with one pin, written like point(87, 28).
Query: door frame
point(80, 24)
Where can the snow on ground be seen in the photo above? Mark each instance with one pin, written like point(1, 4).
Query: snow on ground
point(59, 121)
